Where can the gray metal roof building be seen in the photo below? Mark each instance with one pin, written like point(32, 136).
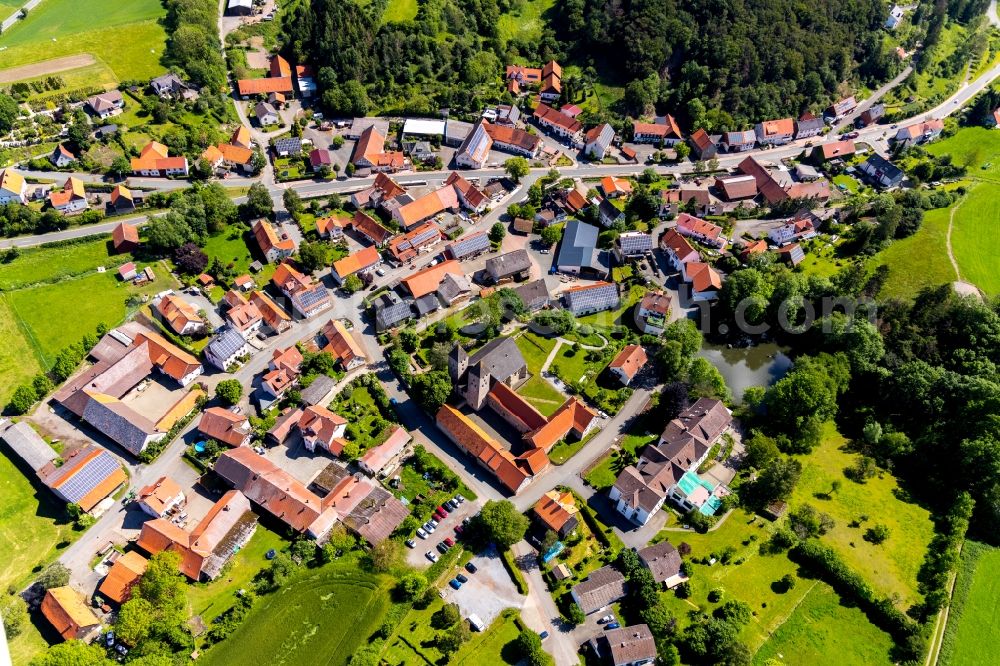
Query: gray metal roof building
point(468, 246)
point(578, 249)
point(510, 263)
point(595, 298)
point(28, 445)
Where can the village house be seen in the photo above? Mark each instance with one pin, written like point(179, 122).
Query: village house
point(736, 188)
point(666, 133)
point(179, 315)
point(154, 160)
point(122, 577)
point(61, 156)
point(171, 85)
point(702, 145)
point(871, 115)
point(664, 563)
point(275, 319)
point(614, 187)
point(418, 240)
point(738, 142)
point(834, 150)
point(794, 230)
point(918, 133)
point(633, 244)
point(225, 426)
point(360, 263)
point(598, 140)
point(321, 428)
point(470, 196)
point(342, 344)
point(122, 200)
point(882, 171)
point(677, 249)
point(429, 205)
point(69, 614)
point(608, 213)
point(71, 199)
point(379, 460)
point(777, 186)
point(550, 88)
point(534, 295)
point(370, 229)
point(369, 153)
point(161, 498)
point(588, 299)
point(599, 590)
point(560, 124)
point(499, 360)
point(282, 372)
point(13, 188)
point(808, 125)
point(319, 159)
point(205, 550)
point(701, 230)
point(468, 246)
point(226, 348)
point(475, 150)
point(308, 297)
point(652, 314)
point(641, 489)
point(841, 108)
point(85, 475)
point(775, 132)
point(514, 140)
point(627, 364)
point(557, 511)
point(242, 315)
point(383, 191)
point(266, 114)
point(361, 505)
point(633, 645)
point(106, 104)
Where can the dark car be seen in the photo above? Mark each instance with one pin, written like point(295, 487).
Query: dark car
point(442, 548)
point(454, 583)
point(459, 529)
point(471, 568)
point(462, 579)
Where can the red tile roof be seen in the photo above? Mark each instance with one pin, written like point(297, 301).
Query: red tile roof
point(280, 84)
point(428, 279)
point(630, 360)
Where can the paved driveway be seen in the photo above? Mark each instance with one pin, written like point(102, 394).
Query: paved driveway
point(488, 592)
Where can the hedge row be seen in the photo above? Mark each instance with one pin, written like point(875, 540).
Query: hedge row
point(514, 571)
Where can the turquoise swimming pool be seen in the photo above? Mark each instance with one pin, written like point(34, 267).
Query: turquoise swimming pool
point(689, 485)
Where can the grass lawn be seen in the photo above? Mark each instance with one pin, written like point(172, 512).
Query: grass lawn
point(974, 148)
point(128, 38)
point(849, 183)
point(230, 247)
point(85, 301)
point(542, 395)
point(330, 611)
point(535, 350)
point(209, 600)
point(413, 641)
point(604, 475)
point(973, 630)
point(975, 236)
point(822, 630)
point(525, 23)
point(400, 11)
point(18, 361)
point(49, 264)
point(890, 568)
point(98, 75)
point(920, 260)
point(367, 424)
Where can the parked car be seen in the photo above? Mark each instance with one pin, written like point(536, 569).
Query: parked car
point(449, 541)
point(606, 619)
point(442, 548)
point(421, 533)
point(470, 567)
point(431, 556)
point(459, 499)
point(410, 543)
point(451, 505)
point(543, 635)
point(433, 523)
point(429, 527)
point(459, 529)
point(454, 583)
point(612, 625)
point(442, 509)
point(109, 639)
point(462, 579)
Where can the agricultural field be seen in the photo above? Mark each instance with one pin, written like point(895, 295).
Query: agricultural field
point(890, 568)
point(127, 40)
point(822, 630)
point(975, 236)
point(329, 611)
point(975, 148)
point(973, 629)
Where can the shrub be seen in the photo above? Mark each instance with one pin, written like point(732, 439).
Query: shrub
point(877, 534)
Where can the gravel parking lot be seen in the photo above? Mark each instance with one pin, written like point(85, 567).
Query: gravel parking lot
point(417, 556)
point(488, 592)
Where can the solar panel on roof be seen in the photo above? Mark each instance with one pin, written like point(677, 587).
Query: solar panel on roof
point(89, 477)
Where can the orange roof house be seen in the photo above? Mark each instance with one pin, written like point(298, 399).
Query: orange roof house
point(123, 575)
point(279, 84)
point(280, 67)
point(241, 137)
point(205, 550)
point(273, 248)
point(627, 363)
point(427, 280)
point(557, 512)
point(361, 261)
point(573, 417)
point(179, 315)
point(69, 614)
point(125, 237)
point(86, 476)
point(225, 426)
point(343, 345)
point(370, 229)
point(274, 317)
point(154, 159)
point(160, 498)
